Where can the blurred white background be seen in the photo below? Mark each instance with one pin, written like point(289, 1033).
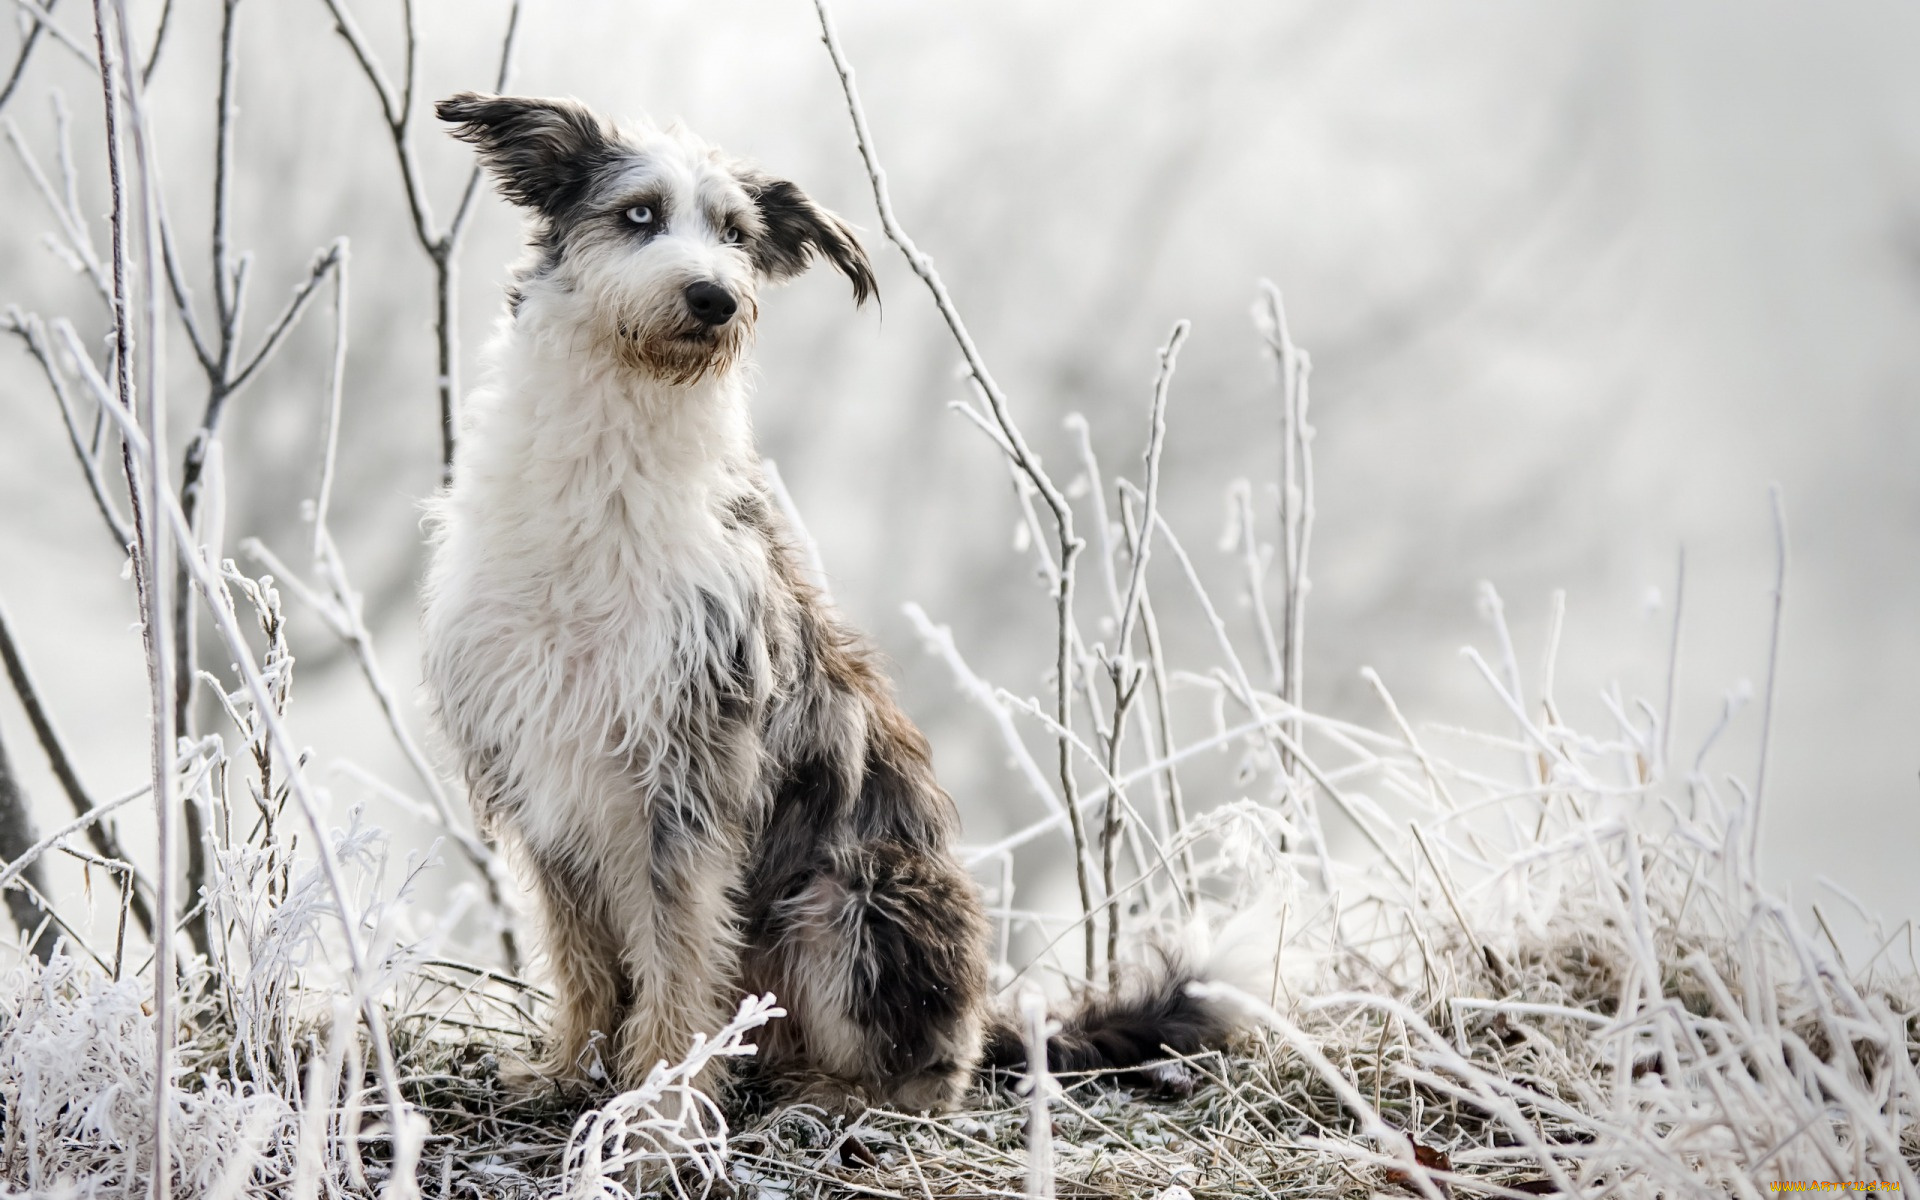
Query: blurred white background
point(1579, 281)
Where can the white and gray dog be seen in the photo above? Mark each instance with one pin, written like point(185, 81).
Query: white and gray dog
point(703, 769)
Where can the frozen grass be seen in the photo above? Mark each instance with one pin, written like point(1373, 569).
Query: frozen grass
point(1560, 973)
point(1608, 1006)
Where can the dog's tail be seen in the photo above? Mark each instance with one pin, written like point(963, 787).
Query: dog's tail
point(1154, 1015)
point(1141, 1024)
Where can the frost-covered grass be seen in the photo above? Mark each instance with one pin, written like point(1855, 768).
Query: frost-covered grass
point(1609, 1005)
point(1541, 961)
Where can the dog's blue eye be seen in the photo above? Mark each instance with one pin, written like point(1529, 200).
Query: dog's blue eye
point(640, 214)
point(730, 236)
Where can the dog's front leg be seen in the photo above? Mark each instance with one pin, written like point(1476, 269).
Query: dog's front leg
point(680, 905)
point(584, 957)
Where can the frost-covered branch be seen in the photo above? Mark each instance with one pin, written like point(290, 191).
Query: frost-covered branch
point(441, 245)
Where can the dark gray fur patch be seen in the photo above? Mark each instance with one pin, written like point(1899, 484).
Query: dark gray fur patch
point(545, 155)
point(921, 965)
point(797, 229)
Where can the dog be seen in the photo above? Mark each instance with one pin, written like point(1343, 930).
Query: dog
point(702, 769)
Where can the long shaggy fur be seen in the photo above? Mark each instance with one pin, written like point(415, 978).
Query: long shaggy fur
point(1131, 1027)
point(704, 773)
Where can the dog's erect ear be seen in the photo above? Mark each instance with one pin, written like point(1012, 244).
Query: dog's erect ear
point(798, 229)
point(543, 153)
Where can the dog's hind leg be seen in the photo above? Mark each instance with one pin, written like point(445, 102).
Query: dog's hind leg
point(884, 957)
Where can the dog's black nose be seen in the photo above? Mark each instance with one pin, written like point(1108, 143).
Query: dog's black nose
point(710, 303)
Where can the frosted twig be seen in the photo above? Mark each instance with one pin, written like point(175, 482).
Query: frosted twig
point(1114, 793)
point(27, 44)
point(1168, 762)
point(1531, 731)
point(1556, 625)
point(1246, 695)
point(1122, 673)
point(31, 331)
point(1142, 550)
point(1494, 609)
point(146, 486)
point(341, 612)
point(1035, 1028)
point(1296, 486)
point(324, 262)
point(13, 869)
point(939, 638)
point(101, 835)
point(442, 247)
point(25, 903)
point(1413, 743)
point(336, 382)
point(74, 242)
point(42, 17)
point(1773, 671)
point(667, 1117)
point(1163, 726)
point(159, 40)
point(1242, 499)
point(1673, 658)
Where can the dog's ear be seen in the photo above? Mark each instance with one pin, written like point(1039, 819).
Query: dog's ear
point(543, 153)
point(797, 229)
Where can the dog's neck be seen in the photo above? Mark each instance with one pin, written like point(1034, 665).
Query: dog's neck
point(565, 419)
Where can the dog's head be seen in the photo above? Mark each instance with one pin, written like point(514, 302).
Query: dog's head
point(664, 237)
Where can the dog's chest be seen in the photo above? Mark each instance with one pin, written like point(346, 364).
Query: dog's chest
point(584, 625)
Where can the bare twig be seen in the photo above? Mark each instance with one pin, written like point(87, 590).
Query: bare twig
point(42, 17)
point(27, 44)
point(159, 40)
point(1156, 439)
point(146, 485)
point(77, 246)
point(33, 333)
point(16, 838)
point(1039, 1086)
point(1773, 672)
point(1673, 659)
point(442, 247)
point(1122, 673)
point(100, 834)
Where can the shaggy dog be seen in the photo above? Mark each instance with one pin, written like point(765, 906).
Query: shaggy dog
point(702, 768)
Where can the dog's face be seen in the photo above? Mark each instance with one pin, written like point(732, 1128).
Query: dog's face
point(666, 238)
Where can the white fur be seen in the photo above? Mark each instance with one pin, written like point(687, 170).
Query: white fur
point(571, 552)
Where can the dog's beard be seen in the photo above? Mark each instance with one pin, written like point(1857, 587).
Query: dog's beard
point(678, 350)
